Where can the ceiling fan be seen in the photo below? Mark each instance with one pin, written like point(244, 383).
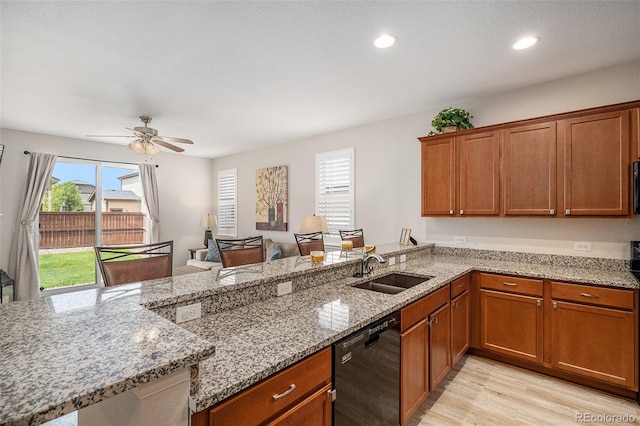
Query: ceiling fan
point(147, 139)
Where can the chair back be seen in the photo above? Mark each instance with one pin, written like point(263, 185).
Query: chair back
point(241, 251)
point(356, 235)
point(127, 264)
point(309, 242)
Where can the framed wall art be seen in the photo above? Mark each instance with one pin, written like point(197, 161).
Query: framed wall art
point(272, 210)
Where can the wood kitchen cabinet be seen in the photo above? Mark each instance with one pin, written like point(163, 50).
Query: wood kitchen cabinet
point(594, 333)
point(299, 394)
point(529, 178)
point(460, 317)
point(511, 321)
point(479, 174)
point(438, 177)
point(596, 165)
point(424, 355)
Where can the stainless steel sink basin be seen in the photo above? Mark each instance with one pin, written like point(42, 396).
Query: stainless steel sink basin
point(392, 283)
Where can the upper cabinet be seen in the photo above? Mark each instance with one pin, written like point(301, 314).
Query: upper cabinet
point(571, 164)
point(529, 178)
point(596, 165)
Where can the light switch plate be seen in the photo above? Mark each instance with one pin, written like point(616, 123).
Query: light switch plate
point(391, 261)
point(285, 288)
point(189, 312)
point(403, 258)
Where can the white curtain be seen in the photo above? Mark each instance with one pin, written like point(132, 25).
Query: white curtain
point(23, 257)
point(150, 188)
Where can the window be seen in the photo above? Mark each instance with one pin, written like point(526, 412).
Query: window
point(335, 188)
point(227, 202)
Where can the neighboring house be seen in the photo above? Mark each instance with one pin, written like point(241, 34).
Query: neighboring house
point(86, 189)
point(114, 200)
point(132, 182)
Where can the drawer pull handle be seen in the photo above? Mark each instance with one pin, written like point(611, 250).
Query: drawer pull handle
point(278, 396)
point(461, 285)
point(595, 296)
point(510, 284)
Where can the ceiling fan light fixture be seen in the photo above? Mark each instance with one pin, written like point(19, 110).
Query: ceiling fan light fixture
point(144, 147)
point(384, 41)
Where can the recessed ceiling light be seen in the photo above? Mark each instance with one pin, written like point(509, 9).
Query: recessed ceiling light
point(525, 43)
point(384, 41)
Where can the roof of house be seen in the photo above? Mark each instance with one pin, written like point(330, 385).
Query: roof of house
point(129, 175)
point(114, 194)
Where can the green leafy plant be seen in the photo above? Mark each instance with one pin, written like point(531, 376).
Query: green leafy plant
point(451, 117)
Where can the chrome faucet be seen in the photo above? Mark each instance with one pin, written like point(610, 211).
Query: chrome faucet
point(365, 269)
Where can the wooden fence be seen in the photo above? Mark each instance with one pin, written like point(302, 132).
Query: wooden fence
point(78, 229)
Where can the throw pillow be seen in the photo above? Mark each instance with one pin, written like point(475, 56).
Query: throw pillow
point(213, 255)
point(276, 253)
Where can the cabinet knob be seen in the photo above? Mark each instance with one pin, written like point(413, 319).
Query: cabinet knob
point(461, 211)
point(552, 211)
point(538, 302)
point(567, 212)
point(450, 211)
point(554, 305)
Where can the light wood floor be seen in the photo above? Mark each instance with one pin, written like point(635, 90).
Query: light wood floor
point(484, 392)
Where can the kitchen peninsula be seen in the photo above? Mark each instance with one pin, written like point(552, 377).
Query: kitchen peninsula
point(67, 352)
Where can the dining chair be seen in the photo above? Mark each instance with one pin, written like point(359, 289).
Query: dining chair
point(240, 251)
point(309, 242)
point(126, 264)
point(356, 235)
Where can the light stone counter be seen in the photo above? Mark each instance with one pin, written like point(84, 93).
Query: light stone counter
point(65, 352)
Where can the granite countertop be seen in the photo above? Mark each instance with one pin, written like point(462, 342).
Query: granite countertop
point(260, 339)
point(65, 352)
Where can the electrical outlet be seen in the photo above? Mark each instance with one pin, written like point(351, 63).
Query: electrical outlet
point(582, 246)
point(285, 288)
point(403, 258)
point(188, 313)
point(460, 240)
point(391, 261)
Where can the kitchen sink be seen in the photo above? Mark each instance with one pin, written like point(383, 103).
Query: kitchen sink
point(392, 283)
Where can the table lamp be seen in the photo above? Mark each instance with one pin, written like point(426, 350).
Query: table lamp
point(314, 224)
point(208, 222)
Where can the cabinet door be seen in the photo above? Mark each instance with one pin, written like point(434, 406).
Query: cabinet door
point(479, 171)
point(596, 165)
point(414, 359)
point(594, 342)
point(315, 410)
point(459, 326)
point(439, 345)
point(530, 170)
point(511, 324)
point(438, 177)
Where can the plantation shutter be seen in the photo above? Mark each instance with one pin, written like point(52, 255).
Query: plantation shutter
point(227, 202)
point(335, 189)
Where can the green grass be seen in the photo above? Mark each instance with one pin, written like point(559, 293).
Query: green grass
point(64, 269)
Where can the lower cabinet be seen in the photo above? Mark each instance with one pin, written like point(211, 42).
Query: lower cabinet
point(459, 326)
point(511, 321)
point(594, 333)
point(425, 349)
point(299, 394)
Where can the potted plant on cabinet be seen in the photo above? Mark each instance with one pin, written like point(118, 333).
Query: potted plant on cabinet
point(450, 120)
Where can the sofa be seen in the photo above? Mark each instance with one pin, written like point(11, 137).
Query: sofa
point(287, 250)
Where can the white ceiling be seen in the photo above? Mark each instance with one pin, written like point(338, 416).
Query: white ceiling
point(234, 76)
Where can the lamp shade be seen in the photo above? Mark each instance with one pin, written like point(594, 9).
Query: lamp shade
point(314, 224)
point(143, 147)
point(208, 221)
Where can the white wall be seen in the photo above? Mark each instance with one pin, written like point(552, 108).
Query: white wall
point(185, 185)
point(387, 163)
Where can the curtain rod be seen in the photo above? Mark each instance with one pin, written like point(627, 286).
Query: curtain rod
point(90, 159)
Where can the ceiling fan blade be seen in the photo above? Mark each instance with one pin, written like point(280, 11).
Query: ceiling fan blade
point(109, 136)
point(178, 140)
point(167, 145)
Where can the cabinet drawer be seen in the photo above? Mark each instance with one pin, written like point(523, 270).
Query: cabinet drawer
point(460, 285)
point(422, 308)
point(257, 404)
point(511, 284)
point(591, 295)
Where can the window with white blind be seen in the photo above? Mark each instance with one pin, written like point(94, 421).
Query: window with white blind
point(228, 202)
point(335, 189)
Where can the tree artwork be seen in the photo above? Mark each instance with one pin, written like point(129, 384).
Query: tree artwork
point(271, 199)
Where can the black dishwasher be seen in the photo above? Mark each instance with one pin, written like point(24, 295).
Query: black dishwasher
point(366, 375)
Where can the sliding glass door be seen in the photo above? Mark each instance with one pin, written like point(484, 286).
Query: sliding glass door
point(86, 204)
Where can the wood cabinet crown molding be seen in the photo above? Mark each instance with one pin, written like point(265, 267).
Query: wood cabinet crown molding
point(536, 120)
